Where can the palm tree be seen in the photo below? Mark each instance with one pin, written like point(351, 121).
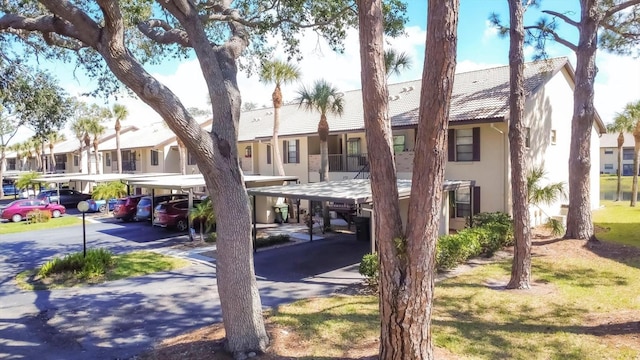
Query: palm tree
point(632, 112)
point(120, 112)
point(17, 147)
point(278, 72)
point(27, 150)
point(79, 128)
point(621, 124)
point(108, 191)
point(395, 62)
point(547, 195)
point(95, 129)
point(324, 98)
point(203, 213)
point(38, 145)
point(52, 139)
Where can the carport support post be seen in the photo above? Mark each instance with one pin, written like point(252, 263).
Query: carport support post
point(190, 205)
point(255, 229)
point(153, 195)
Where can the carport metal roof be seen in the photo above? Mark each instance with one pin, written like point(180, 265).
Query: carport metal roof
point(186, 182)
point(352, 191)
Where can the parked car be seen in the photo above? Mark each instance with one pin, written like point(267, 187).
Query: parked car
point(67, 197)
point(143, 211)
point(101, 205)
point(10, 189)
point(125, 208)
point(18, 210)
point(173, 214)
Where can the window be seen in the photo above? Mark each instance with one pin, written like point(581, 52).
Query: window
point(247, 151)
point(608, 166)
point(291, 152)
point(464, 144)
point(461, 202)
point(554, 137)
point(399, 142)
point(268, 154)
point(75, 160)
point(190, 159)
point(11, 164)
point(154, 157)
point(527, 137)
point(608, 151)
point(353, 146)
point(107, 159)
point(627, 154)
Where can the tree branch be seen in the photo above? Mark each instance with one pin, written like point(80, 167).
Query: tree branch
point(45, 24)
point(616, 8)
point(555, 36)
point(56, 40)
point(168, 35)
point(616, 30)
point(68, 16)
point(564, 17)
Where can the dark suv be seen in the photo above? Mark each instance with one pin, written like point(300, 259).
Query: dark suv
point(173, 214)
point(125, 208)
point(144, 206)
point(69, 198)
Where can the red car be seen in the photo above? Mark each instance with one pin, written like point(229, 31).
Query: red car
point(173, 214)
point(126, 207)
point(18, 210)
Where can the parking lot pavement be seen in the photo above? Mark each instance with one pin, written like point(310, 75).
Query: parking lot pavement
point(122, 318)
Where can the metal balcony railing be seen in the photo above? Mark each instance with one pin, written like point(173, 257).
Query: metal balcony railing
point(347, 163)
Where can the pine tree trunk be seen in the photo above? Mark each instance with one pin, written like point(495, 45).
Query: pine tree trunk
point(579, 222)
point(408, 264)
point(521, 267)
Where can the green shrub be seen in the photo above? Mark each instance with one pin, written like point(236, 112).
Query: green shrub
point(498, 223)
point(95, 264)
point(38, 216)
point(454, 249)
point(272, 240)
point(211, 237)
point(370, 269)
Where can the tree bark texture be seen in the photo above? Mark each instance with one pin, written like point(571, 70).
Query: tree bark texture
point(275, 144)
point(521, 266)
point(579, 222)
point(408, 262)
point(619, 184)
point(324, 176)
point(118, 127)
point(53, 158)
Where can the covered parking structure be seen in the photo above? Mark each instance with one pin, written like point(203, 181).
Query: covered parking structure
point(87, 179)
point(188, 183)
point(357, 192)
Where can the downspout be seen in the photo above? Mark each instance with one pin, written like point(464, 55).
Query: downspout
point(506, 178)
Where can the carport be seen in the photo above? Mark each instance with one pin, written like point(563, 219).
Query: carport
point(187, 183)
point(354, 192)
point(91, 178)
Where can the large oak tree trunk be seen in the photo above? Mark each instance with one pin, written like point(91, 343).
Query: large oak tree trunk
point(579, 223)
point(408, 263)
point(216, 155)
point(521, 267)
point(275, 144)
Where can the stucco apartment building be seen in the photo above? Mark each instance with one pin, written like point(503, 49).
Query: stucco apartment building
point(609, 154)
point(478, 146)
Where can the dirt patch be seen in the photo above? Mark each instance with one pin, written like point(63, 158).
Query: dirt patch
point(616, 329)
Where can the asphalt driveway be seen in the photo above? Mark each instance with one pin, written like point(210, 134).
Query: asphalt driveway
point(123, 318)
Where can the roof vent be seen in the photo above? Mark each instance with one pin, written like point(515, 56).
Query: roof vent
point(404, 89)
point(396, 97)
point(411, 88)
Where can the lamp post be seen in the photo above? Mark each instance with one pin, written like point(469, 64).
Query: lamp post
point(83, 207)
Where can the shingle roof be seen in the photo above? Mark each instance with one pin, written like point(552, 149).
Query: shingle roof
point(477, 95)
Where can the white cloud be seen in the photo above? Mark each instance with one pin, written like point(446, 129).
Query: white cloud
point(490, 31)
point(617, 83)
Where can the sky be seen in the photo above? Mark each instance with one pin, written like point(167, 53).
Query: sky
point(479, 46)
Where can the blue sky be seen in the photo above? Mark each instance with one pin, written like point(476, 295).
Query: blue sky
point(479, 46)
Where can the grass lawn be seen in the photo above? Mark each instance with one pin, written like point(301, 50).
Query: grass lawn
point(583, 305)
point(11, 227)
point(131, 264)
point(617, 222)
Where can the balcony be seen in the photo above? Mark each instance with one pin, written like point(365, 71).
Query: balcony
point(127, 165)
point(340, 162)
